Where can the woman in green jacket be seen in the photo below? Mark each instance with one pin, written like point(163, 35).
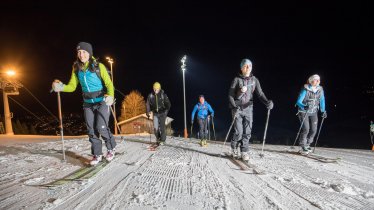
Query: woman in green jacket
point(98, 96)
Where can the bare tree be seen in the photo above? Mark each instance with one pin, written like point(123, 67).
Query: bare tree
point(133, 105)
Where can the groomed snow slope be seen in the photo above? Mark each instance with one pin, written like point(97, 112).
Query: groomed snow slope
point(181, 175)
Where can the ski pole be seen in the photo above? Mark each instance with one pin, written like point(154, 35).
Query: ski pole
point(191, 130)
point(228, 132)
point(208, 121)
point(115, 119)
point(371, 132)
point(150, 131)
point(214, 130)
point(266, 128)
point(61, 126)
point(319, 131)
point(298, 133)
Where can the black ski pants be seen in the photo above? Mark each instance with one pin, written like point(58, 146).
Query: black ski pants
point(159, 126)
point(97, 117)
point(308, 129)
point(203, 125)
point(242, 128)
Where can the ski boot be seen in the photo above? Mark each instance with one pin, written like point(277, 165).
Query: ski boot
point(110, 155)
point(309, 148)
point(96, 159)
point(235, 153)
point(206, 142)
point(201, 142)
point(304, 150)
point(245, 156)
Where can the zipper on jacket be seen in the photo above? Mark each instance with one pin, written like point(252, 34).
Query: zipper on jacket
point(85, 81)
point(156, 103)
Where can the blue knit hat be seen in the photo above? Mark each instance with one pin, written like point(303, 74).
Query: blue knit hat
point(244, 62)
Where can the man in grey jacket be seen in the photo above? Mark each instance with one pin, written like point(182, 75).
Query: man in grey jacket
point(241, 102)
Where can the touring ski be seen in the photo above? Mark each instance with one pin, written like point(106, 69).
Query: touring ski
point(87, 171)
point(245, 165)
point(315, 157)
point(153, 147)
point(83, 173)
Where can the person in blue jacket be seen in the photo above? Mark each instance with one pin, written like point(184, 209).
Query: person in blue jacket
point(310, 100)
point(203, 109)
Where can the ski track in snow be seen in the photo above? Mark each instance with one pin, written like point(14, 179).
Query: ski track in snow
point(183, 175)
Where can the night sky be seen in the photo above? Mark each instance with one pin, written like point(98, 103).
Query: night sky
point(287, 42)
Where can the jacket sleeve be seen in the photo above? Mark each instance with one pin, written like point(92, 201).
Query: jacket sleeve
point(167, 102)
point(106, 79)
point(260, 93)
point(210, 109)
point(300, 99)
point(232, 92)
point(147, 104)
point(73, 83)
point(322, 102)
point(193, 113)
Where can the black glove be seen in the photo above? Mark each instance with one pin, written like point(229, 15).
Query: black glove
point(270, 105)
point(238, 103)
point(324, 114)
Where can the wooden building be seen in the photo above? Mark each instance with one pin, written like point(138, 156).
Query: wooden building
point(141, 124)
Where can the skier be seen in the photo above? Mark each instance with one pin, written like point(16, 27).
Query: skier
point(311, 98)
point(241, 103)
point(98, 96)
point(203, 108)
point(158, 103)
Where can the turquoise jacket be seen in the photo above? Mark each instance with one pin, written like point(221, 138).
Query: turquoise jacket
point(91, 83)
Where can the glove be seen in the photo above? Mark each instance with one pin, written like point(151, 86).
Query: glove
point(270, 105)
point(147, 113)
point(308, 108)
point(324, 114)
point(237, 108)
point(57, 86)
point(244, 89)
point(109, 100)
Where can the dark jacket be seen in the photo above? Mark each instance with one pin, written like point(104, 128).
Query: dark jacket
point(158, 103)
point(243, 100)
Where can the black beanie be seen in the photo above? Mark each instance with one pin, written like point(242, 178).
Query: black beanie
point(85, 46)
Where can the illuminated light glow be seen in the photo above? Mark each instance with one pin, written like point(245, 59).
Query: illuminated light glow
point(184, 59)
point(10, 73)
point(110, 60)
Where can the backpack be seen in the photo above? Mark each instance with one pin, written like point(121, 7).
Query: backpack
point(202, 107)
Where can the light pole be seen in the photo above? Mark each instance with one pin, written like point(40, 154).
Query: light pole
point(183, 67)
point(9, 87)
point(110, 61)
